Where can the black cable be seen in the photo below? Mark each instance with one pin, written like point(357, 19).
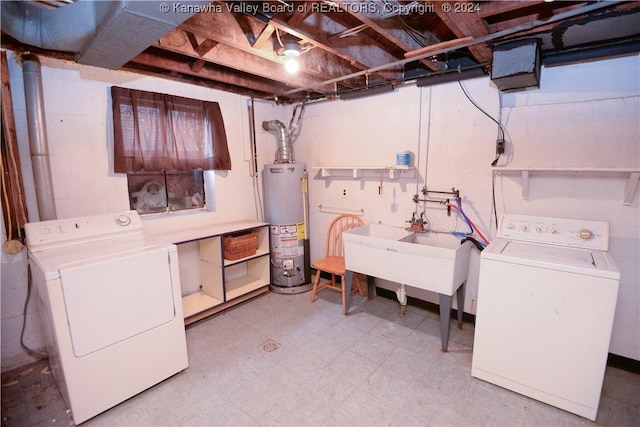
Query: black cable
point(495, 161)
point(500, 128)
point(493, 195)
point(476, 243)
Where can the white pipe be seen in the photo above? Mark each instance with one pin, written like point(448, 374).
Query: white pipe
point(34, 101)
point(401, 293)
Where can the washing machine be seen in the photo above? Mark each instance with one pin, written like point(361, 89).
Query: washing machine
point(110, 307)
point(546, 301)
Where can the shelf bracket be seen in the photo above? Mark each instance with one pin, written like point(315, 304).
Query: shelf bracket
point(525, 184)
point(631, 187)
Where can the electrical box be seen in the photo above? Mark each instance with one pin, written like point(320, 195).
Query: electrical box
point(516, 65)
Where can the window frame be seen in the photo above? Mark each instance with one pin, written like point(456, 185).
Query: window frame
point(157, 145)
point(170, 110)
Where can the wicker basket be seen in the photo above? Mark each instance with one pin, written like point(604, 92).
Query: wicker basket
point(240, 245)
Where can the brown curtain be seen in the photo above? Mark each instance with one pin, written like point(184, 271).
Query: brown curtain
point(158, 132)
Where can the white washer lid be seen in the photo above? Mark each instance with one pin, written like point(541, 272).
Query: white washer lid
point(572, 260)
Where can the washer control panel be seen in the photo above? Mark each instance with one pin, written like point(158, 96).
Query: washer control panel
point(555, 231)
point(58, 233)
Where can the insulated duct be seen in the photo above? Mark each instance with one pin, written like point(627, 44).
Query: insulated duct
point(284, 151)
point(67, 28)
point(105, 34)
point(34, 101)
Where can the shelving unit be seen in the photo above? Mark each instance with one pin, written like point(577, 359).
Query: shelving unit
point(633, 176)
point(357, 172)
point(224, 282)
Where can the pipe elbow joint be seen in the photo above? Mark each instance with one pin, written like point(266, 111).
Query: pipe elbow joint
point(272, 125)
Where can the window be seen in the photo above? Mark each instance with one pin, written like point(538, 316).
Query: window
point(165, 191)
point(163, 143)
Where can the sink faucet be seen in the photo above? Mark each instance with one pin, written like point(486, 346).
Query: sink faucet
point(417, 224)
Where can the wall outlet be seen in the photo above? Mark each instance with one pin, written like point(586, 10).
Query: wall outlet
point(344, 193)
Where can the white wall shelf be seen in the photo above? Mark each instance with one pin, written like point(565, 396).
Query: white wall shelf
point(632, 175)
point(356, 172)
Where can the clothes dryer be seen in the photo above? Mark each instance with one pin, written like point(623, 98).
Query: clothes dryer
point(110, 307)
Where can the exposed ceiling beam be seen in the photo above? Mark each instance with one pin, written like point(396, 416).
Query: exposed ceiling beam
point(176, 42)
point(294, 26)
point(384, 33)
point(226, 76)
point(453, 44)
point(223, 28)
point(201, 50)
point(499, 7)
point(467, 23)
point(322, 44)
point(264, 36)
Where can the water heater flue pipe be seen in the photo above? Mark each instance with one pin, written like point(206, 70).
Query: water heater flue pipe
point(38, 137)
point(284, 152)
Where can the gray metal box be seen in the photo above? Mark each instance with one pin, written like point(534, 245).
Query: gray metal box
point(516, 65)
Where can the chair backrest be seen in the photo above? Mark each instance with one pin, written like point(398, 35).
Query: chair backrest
point(340, 224)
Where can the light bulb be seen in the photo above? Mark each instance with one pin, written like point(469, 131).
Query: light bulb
point(291, 65)
point(291, 50)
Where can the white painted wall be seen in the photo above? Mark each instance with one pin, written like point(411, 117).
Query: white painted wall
point(577, 118)
point(585, 115)
point(79, 128)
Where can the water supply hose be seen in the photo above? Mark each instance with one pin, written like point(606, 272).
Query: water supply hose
point(466, 219)
point(469, 222)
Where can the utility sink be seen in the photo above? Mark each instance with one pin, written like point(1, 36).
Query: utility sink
point(436, 262)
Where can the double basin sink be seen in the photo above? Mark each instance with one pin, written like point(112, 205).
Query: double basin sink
point(436, 262)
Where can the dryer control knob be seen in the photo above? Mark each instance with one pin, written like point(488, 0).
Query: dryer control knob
point(123, 220)
point(585, 234)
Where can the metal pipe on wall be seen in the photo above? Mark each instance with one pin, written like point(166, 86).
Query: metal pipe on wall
point(39, 148)
point(284, 152)
point(446, 47)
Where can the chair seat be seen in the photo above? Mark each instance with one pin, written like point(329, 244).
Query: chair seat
point(330, 264)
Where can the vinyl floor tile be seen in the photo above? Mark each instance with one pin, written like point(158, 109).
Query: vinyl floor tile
point(371, 368)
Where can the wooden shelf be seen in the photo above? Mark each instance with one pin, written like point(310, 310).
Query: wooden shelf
point(198, 302)
point(242, 285)
point(357, 172)
point(633, 176)
point(223, 282)
point(211, 310)
point(259, 253)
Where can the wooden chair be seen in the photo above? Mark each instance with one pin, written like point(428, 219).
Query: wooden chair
point(333, 261)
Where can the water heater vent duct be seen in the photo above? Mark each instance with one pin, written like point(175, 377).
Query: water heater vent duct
point(284, 151)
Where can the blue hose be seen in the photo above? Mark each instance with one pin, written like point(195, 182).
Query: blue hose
point(466, 219)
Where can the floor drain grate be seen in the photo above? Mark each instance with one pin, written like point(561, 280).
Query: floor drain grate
point(269, 346)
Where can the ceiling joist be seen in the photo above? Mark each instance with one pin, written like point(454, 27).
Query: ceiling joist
point(345, 44)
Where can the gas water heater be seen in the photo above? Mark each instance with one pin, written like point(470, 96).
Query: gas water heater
point(286, 207)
